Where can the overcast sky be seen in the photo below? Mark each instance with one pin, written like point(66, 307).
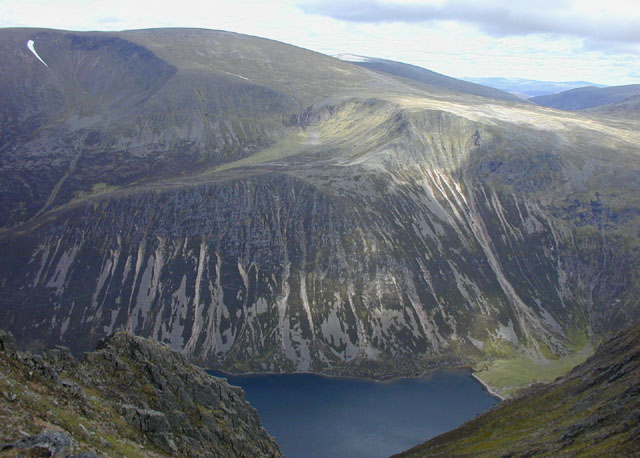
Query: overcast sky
point(552, 40)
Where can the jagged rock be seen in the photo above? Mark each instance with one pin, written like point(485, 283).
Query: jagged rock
point(146, 420)
point(54, 444)
point(59, 357)
point(134, 389)
point(165, 442)
point(7, 343)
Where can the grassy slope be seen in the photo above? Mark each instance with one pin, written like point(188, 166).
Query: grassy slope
point(593, 411)
point(424, 76)
point(505, 377)
point(305, 75)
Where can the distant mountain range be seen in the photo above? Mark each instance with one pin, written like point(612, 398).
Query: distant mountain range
point(588, 97)
point(526, 88)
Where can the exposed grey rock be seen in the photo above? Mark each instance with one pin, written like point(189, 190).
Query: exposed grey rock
point(46, 443)
point(8, 343)
point(146, 420)
point(173, 408)
point(60, 357)
point(206, 412)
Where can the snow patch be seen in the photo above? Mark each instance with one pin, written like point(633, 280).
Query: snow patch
point(352, 58)
point(239, 76)
point(30, 45)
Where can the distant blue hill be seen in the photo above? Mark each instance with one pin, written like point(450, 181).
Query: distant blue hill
point(589, 97)
point(526, 88)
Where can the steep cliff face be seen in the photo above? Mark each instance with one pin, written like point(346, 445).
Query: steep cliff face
point(381, 229)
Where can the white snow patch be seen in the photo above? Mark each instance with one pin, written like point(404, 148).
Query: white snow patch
point(30, 45)
point(305, 302)
point(243, 274)
point(352, 58)
point(239, 76)
point(65, 325)
point(104, 274)
point(109, 329)
point(261, 306)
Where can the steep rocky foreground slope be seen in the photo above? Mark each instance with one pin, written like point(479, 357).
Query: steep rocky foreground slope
point(592, 411)
point(130, 397)
point(260, 207)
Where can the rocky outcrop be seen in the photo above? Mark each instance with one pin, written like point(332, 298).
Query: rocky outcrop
point(593, 411)
point(46, 443)
point(130, 394)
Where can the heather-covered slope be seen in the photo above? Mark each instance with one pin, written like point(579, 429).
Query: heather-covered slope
point(593, 411)
point(130, 397)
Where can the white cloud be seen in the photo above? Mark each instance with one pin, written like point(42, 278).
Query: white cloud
point(496, 17)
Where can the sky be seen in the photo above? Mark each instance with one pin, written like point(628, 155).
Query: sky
point(549, 40)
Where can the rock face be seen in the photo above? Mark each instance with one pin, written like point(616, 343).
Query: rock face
point(130, 396)
point(593, 411)
point(264, 208)
point(46, 443)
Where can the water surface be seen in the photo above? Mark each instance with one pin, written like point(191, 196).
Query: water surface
point(321, 417)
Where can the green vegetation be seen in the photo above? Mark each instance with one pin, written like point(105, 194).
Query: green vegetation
point(506, 377)
point(592, 412)
point(288, 146)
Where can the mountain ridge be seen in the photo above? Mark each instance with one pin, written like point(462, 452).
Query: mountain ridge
point(588, 97)
point(428, 77)
point(317, 217)
point(530, 88)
